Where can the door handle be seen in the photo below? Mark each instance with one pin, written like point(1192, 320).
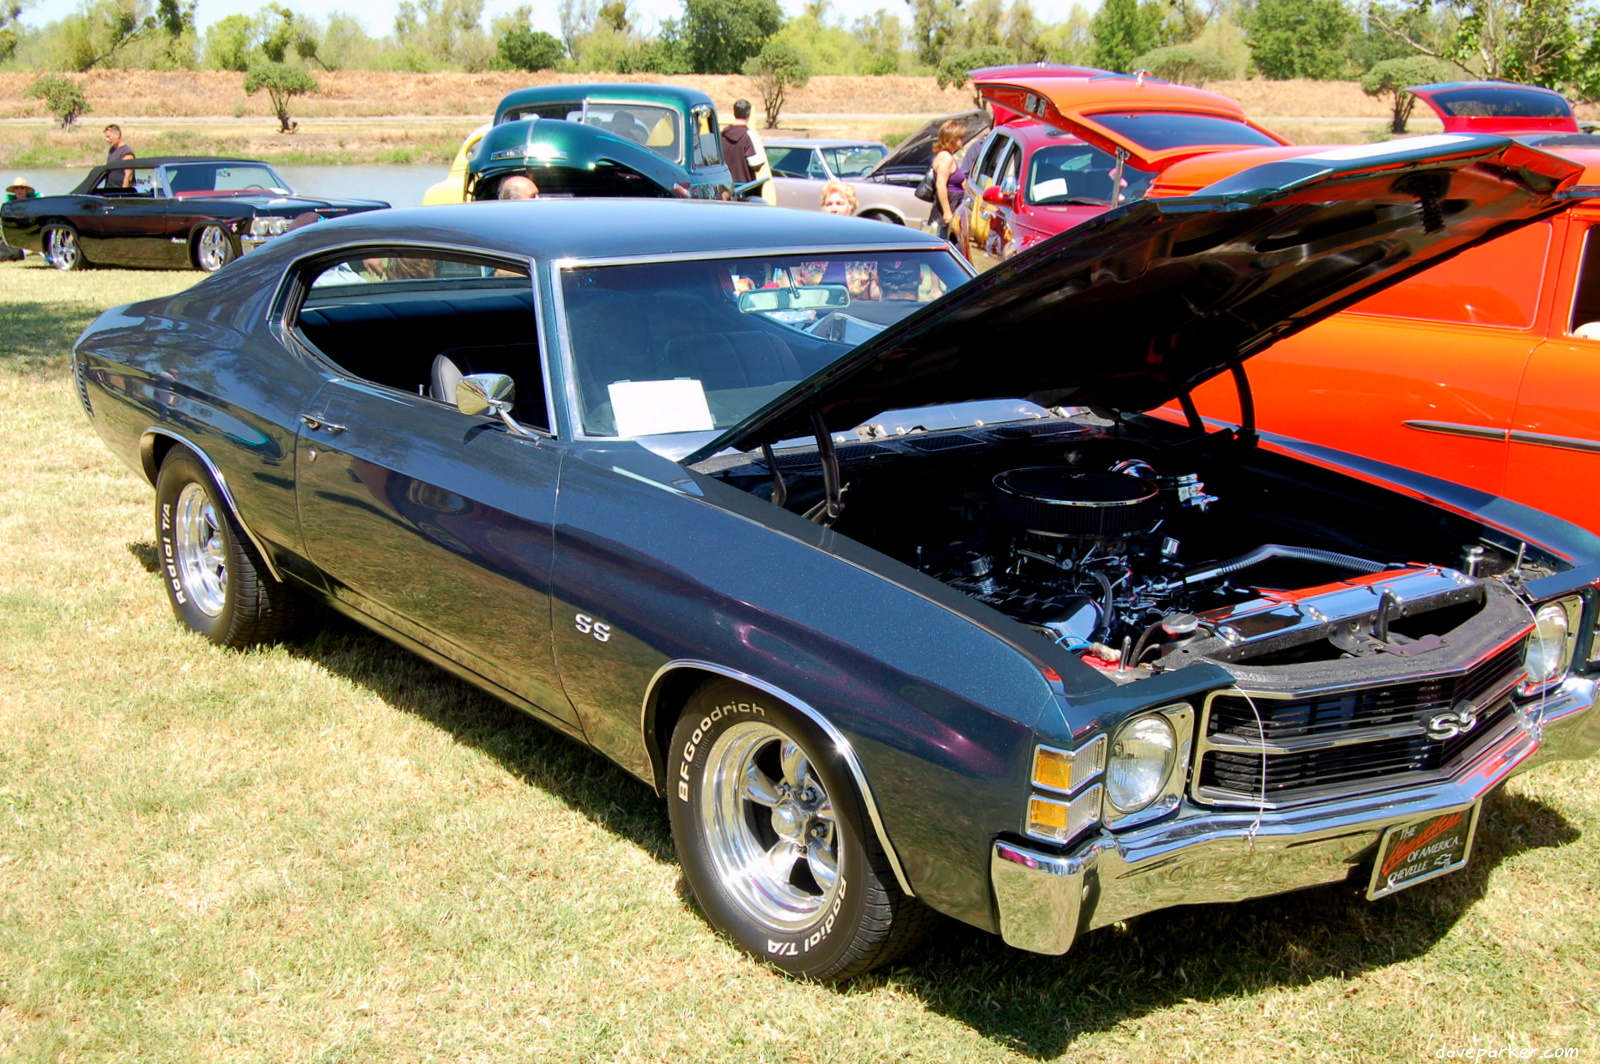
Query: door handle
point(314, 423)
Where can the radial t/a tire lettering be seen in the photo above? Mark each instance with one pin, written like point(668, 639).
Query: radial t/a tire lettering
point(215, 579)
point(774, 840)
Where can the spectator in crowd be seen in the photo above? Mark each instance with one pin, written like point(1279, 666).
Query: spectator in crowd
point(20, 190)
point(739, 149)
point(517, 187)
point(838, 197)
point(117, 150)
point(948, 177)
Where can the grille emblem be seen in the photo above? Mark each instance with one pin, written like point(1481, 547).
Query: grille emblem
point(1453, 722)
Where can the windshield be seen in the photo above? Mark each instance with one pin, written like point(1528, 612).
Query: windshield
point(195, 178)
point(657, 128)
point(693, 346)
point(855, 159)
point(1160, 130)
point(1065, 174)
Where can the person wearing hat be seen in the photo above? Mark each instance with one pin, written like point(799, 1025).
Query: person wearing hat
point(20, 189)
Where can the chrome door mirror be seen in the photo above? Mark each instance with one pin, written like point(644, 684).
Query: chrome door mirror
point(489, 393)
point(1008, 186)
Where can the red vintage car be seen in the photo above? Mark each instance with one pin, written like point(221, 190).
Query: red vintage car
point(1066, 148)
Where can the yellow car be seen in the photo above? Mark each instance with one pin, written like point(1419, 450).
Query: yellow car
point(453, 189)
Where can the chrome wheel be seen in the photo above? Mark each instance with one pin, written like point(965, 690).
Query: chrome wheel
point(770, 829)
point(61, 248)
point(213, 250)
point(201, 549)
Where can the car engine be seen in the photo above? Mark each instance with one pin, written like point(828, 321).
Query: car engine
point(1083, 558)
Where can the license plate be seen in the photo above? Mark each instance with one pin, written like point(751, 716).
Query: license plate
point(1422, 850)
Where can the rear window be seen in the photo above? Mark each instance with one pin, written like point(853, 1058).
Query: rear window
point(1160, 130)
point(1500, 101)
point(1493, 284)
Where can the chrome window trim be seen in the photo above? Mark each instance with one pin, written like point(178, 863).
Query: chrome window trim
point(278, 311)
point(841, 744)
point(1181, 717)
point(1203, 744)
point(559, 272)
point(148, 461)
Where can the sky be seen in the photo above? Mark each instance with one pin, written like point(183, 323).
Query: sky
point(378, 15)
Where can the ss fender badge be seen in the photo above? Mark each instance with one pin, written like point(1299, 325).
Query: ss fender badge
point(1453, 722)
point(589, 626)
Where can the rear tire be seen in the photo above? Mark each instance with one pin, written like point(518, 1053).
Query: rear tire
point(214, 248)
point(775, 843)
point(215, 579)
point(62, 249)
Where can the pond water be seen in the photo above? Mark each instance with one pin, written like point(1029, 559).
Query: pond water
point(402, 186)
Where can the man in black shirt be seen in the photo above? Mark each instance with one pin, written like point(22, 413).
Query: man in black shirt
point(117, 150)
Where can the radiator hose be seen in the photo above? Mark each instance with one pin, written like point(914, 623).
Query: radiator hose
point(1267, 552)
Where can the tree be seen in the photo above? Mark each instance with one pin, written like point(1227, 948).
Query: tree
point(1554, 43)
point(61, 96)
point(229, 42)
point(777, 68)
point(105, 27)
point(719, 35)
point(932, 24)
point(1299, 38)
point(525, 48)
point(9, 38)
point(445, 33)
point(952, 72)
point(1391, 77)
point(1185, 64)
point(282, 82)
point(1124, 29)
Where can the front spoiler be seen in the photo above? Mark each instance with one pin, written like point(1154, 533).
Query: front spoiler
point(1046, 899)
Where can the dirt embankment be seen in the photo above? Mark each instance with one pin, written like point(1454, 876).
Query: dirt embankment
point(211, 94)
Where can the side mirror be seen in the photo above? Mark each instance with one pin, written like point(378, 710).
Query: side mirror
point(489, 393)
point(996, 195)
point(1008, 187)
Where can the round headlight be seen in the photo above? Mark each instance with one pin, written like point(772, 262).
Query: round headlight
point(1141, 759)
point(1545, 655)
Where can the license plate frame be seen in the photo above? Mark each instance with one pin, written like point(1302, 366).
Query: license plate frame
point(1422, 849)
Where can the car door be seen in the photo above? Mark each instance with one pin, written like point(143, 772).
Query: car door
point(985, 229)
point(1555, 434)
point(1423, 374)
point(436, 524)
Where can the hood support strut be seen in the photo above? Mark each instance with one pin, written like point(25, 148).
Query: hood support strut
point(1247, 401)
point(826, 512)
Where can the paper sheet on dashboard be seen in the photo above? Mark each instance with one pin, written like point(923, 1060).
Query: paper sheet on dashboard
point(644, 408)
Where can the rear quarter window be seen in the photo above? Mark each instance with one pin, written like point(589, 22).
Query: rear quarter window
point(1493, 284)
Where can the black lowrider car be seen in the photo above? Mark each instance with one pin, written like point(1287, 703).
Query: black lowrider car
point(902, 606)
point(171, 212)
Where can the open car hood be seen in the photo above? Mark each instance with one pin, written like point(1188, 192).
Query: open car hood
point(915, 154)
point(1137, 306)
point(568, 158)
point(1096, 110)
point(1497, 107)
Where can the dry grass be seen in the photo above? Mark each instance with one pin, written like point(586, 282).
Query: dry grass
point(330, 851)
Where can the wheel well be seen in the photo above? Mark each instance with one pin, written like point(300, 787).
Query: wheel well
point(194, 239)
point(667, 698)
point(153, 450)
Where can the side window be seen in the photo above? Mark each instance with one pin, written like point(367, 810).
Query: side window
point(418, 321)
point(707, 141)
point(137, 181)
point(1585, 320)
point(1009, 166)
point(788, 162)
point(989, 161)
point(1496, 283)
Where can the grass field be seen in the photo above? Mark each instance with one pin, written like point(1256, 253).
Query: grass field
point(330, 851)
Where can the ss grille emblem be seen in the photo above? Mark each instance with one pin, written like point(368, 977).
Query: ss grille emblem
point(1453, 722)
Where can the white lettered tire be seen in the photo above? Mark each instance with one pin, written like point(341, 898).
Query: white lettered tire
point(774, 841)
point(215, 579)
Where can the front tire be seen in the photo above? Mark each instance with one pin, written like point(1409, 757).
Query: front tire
point(774, 842)
point(214, 248)
point(215, 579)
point(62, 249)
point(883, 216)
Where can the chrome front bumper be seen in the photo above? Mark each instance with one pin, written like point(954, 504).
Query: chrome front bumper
point(1205, 855)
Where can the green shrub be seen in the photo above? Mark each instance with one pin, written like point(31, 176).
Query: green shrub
point(282, 82)
point(62, 97)
point(777, 68)
point(1391, 77)
point(1185, 64)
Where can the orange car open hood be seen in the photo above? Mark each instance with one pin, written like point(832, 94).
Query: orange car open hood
point(1154, 122)
point(1134, 308)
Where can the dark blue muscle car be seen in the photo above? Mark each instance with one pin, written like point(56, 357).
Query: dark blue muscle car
point(174, 212)
point(879, 574)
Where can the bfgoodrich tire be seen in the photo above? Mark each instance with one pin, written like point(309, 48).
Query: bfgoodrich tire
point(214, 577)
point(774, 840)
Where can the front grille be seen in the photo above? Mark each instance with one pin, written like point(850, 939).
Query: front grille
point(1348, 741)
point(80, 376)
point(942, 443)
